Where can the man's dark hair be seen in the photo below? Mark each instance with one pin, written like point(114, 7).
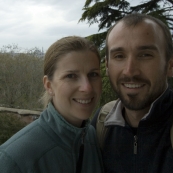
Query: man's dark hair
point(136, 18)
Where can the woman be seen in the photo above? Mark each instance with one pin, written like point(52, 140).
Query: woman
point(61, 140)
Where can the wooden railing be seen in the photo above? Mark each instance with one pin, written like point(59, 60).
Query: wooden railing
point(19, 111)
point(25, 115)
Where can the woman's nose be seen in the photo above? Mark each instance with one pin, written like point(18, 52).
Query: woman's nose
point(85, 85)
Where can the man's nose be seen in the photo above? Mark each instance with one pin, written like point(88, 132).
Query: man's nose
point(131, 67)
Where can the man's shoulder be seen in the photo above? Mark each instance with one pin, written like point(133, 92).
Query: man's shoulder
point(103, 111)
point(94, 119)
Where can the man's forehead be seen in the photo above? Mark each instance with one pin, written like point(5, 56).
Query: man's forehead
point(115, 31)
point(120, 26)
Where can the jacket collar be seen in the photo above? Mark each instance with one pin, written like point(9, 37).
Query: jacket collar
point(65, 132)
point(159, 111)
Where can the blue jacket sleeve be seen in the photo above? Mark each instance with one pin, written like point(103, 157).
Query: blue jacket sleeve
point(7, 165)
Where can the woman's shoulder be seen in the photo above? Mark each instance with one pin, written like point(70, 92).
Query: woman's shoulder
point(28, 144)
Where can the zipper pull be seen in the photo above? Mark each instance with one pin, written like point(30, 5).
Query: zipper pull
point(135, 144)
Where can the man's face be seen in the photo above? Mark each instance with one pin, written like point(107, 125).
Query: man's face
point(137, 64)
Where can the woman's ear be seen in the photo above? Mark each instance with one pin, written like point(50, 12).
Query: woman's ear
point(47, 85)
point(107, 74)
point(106, 64)
point(170, 68)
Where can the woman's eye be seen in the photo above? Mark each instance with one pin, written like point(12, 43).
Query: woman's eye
point(71, 76)
point(93, 74)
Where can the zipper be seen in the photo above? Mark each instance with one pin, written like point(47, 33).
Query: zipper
point(83, 136)
point(135, 144)
point(81, 153)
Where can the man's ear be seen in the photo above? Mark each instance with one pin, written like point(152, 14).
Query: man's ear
point(47, 85)
point(170, 68)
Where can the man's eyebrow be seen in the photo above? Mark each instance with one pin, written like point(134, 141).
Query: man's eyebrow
point(116, 49)
point(145, 47)
point(148, 47)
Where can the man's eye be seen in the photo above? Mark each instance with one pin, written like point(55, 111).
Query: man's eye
point(145, 55)
point(119, 56)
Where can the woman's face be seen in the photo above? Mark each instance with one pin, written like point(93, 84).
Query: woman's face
point(76, 86)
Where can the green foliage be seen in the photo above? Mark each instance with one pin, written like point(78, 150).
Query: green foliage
point(108, 93)
point(104, 12)
point(108, 12)
point(98, 40)
point(20, 78)
point(9, 125)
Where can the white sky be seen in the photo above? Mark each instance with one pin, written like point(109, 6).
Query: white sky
point(39, 23)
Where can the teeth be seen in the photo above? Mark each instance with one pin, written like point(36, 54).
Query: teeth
point(132, 85)
point(84, 101)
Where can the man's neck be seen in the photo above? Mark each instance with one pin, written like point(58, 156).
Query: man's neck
point(133, 117)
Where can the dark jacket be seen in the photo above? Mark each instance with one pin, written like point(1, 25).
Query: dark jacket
point(50, 145)
point(148, 150)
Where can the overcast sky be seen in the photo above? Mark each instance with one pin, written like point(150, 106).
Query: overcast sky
point(39, 23)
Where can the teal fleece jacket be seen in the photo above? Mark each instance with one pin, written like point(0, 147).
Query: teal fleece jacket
point(50, 145)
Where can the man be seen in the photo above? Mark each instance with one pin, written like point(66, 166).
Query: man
point(139, 58)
